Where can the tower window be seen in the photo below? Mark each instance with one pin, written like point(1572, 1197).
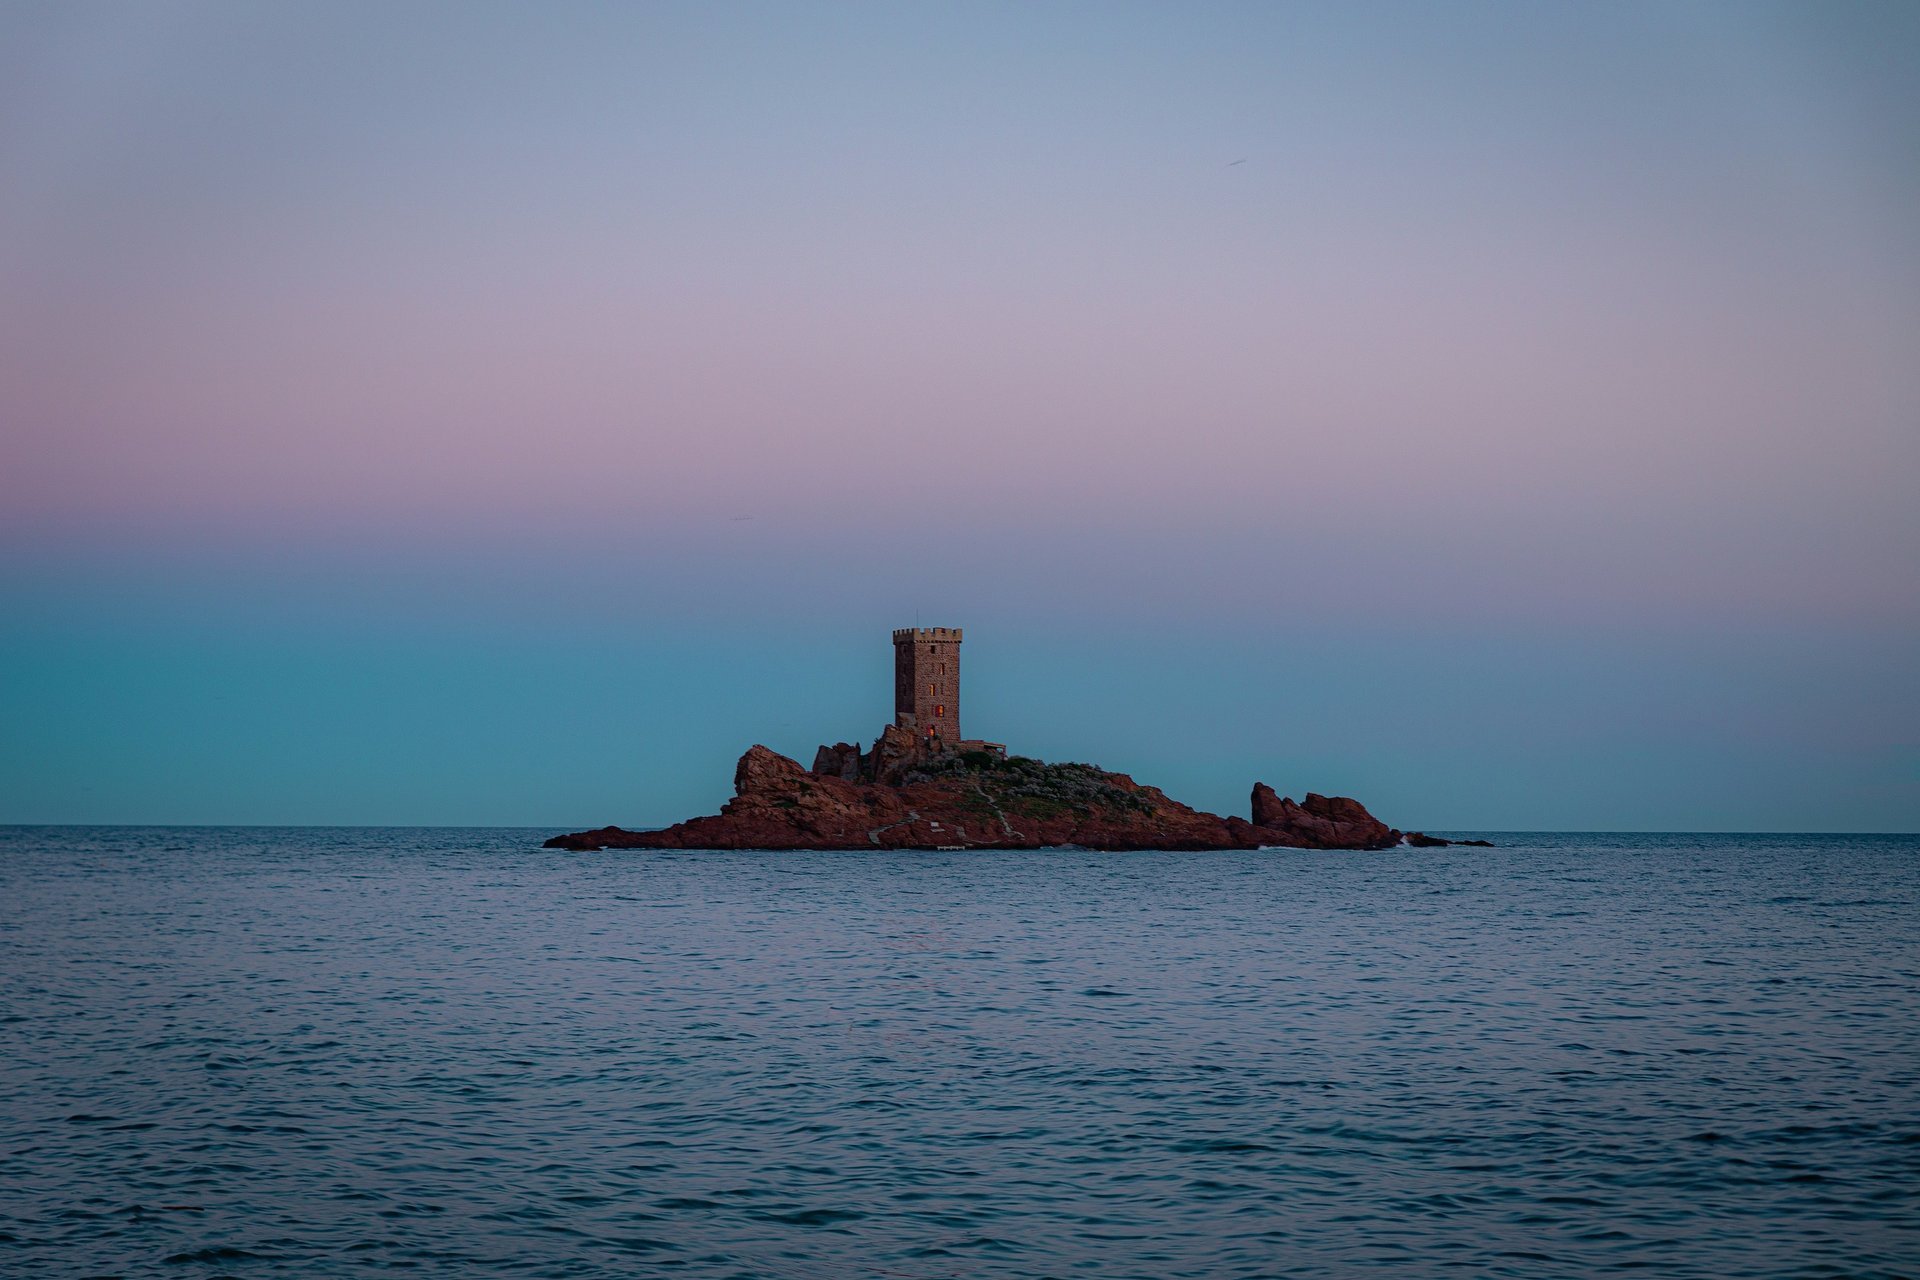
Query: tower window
point(931, 690)
point(939, 711)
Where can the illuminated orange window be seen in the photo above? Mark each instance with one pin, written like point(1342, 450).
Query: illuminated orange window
point(939, 711)
point(931, 690)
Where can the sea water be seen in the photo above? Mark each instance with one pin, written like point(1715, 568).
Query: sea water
point(266, 1052)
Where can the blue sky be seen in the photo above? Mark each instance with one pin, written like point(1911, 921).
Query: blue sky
point(1506, 414)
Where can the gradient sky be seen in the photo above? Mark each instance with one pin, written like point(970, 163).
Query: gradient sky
point(1507, 414)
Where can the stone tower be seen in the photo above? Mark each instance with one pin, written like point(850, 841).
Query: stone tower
point(926, 684)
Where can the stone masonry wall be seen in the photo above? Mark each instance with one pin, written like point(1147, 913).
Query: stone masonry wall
point(926, 681)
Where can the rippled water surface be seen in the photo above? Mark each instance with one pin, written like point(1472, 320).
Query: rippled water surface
point(346, 1051)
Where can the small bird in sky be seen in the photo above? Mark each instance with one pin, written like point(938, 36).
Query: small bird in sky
point(1241, 160)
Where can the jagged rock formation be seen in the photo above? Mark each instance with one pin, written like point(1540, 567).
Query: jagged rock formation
point(841, 760)
point(978, 799)
point(1321, 822)
point(896, 752)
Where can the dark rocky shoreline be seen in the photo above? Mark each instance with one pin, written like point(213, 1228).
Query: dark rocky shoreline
point(977, 800)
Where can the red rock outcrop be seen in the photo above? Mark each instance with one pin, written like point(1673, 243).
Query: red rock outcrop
point(1322, 822)
point(841, 760)
point(982, 802)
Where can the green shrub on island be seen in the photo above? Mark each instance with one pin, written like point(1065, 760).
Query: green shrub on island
point(1030, 786)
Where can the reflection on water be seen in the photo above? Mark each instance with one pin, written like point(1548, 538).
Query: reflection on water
point(307, 1051)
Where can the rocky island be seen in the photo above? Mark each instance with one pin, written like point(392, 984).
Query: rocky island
point(923, 786)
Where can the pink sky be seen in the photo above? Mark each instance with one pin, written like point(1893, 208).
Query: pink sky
point(1489, 316)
